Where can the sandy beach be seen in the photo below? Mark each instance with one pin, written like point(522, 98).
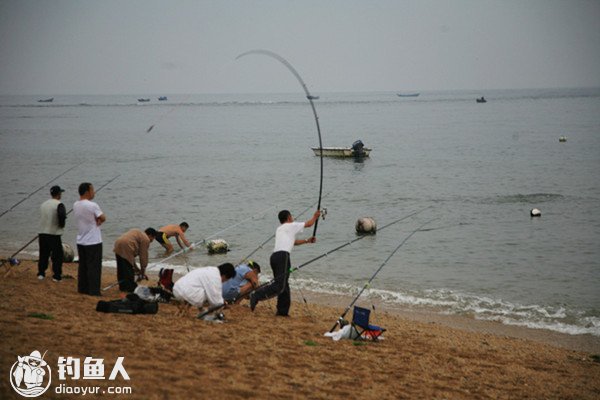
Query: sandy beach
point(258, 355)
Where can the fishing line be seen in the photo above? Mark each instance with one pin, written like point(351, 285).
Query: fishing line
point(69, 212)
point(297, 216)
point(368, 283)
point(310, 99)
point(343, 245)
point(166, 114)
point(326, 254)
point(40, 188)
point(207, 238)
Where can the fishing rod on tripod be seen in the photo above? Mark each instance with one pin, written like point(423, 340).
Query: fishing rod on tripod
point(368, 283)
point(12, 260)
point(38, 189)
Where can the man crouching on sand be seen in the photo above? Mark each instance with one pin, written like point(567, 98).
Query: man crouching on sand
point(203, 285)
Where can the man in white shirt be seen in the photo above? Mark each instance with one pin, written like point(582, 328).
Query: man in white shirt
point(52, 224)
point(88, 217)
point(203, 285)
point(285, 240)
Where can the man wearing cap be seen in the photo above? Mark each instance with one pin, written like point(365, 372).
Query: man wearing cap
point(52, 224)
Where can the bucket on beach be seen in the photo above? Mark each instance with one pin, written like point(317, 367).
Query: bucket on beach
point(68, 253)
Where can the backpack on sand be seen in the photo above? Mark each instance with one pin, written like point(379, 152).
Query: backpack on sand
point(132, 304)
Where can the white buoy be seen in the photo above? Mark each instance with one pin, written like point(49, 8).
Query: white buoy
point(68, 253)
point(217, 246)
point(535, 212)
point(366, 225)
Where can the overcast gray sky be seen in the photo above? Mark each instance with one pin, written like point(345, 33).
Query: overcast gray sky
point(174, 46)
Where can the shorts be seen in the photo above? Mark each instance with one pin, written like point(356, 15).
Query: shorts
point(161, 237)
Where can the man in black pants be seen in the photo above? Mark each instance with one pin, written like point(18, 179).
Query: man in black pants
point(89, 217)
point(285, 239)
point(128, 246)
point(52, 223)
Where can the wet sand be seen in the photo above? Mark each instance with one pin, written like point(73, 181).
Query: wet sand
point(258, 355)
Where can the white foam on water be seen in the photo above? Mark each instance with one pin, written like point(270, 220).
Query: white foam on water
point(555, 318)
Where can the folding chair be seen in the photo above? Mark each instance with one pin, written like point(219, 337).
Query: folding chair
point(165, 279)
point(360, 322)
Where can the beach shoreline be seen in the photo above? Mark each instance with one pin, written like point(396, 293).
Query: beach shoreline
point(258, 355)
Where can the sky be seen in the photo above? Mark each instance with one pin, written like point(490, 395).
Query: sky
point(51, 47)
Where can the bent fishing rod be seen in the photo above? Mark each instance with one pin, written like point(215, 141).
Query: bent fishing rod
point(368, 283)
point(323, 214)
point(69, 212)
point(312, 105)
point(341, 247)
point(40, 188)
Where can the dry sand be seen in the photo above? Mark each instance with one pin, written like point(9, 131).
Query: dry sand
point(258, 355)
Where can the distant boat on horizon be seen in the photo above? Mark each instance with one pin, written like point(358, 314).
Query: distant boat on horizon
point(162, 98)
point(408, 94)
point(50, 100)
point(143, 100)
point(482, 100)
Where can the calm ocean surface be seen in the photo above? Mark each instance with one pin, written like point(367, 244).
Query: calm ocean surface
point(227, 164)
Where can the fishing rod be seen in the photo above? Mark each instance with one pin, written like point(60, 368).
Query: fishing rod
point(40, 188)
point(323, 214)
point(342, 246)
point(69, 212)
point(205, 239)
point(186, 249)
point(310, 99)
point(368, 283)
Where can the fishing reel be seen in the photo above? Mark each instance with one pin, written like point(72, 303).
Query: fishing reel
point(323, 213)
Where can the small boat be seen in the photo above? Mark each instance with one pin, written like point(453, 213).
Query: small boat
point(357, 150)
point(162, 98)
point(408, 94)
point(50, 100)
point(143, 100)
point(312, 97)
point(339, 151)
point(482, 100)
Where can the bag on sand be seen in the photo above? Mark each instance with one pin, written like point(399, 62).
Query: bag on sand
point(132, 304)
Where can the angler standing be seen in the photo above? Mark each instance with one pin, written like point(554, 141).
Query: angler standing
point(52, 224)
point(89, 217)
point(285, 240)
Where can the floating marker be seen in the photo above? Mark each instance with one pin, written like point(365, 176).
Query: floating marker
point(535, 212)
point(217, 246)
point(562, 139)
point(366, 225)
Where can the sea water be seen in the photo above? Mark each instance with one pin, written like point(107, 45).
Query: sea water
point(228, 163)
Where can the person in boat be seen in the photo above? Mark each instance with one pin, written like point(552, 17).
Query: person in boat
point(285, 240)
point(128, 246)
point(203, 285)
point(164, 233)
point(244, 281)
